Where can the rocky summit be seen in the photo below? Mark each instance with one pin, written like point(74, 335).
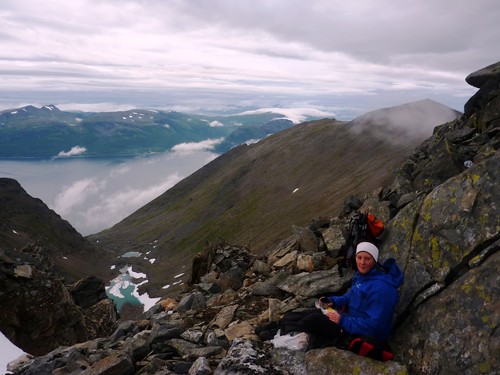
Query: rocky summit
point(442, 228)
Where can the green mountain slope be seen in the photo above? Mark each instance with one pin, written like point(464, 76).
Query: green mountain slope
point(253, 194)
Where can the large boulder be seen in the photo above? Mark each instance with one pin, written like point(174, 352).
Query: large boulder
point(87, 292)
point(37, 310)
point(456, 332)
point(442, 240)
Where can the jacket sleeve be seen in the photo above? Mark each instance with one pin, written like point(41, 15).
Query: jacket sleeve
point(340, 302)
point(376, 315)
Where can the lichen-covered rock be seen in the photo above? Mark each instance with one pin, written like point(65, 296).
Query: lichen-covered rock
point(455, 332)
point(100, 318)
point(244, 357)
point(333, 361)
point(446, 233)
point(289, 362)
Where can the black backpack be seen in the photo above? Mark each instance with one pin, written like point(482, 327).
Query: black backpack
point(363, 227)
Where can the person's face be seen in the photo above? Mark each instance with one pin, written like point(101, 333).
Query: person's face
point(365, 262)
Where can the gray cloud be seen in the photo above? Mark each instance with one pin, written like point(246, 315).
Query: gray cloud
point(221, 53)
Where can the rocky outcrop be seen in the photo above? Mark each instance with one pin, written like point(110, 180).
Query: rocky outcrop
point(442, 228)
point(25, 220)
point(38, 312)
point(447, 239)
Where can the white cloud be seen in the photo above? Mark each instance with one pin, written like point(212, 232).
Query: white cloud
point(76, 194)
point(215, 124)
point(112, 206)
point(120, 170)
point(76, 150)
point(188, 147)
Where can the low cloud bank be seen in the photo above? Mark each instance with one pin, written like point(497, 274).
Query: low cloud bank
point(296, 115)
point(416, 119)
point(188, 147)
point(104, 192)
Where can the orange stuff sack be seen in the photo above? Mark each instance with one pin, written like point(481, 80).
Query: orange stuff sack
point(376, 226)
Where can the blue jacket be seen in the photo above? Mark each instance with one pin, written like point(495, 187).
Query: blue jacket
point(371, 302)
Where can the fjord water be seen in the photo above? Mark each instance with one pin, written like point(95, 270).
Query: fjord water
point(95, 193)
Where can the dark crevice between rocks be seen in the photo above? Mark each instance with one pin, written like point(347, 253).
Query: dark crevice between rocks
point(414, 227)
point(407, 311)
point(422, 295)
point(482, 252)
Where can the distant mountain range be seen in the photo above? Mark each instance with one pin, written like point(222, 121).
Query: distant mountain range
point(48, 132)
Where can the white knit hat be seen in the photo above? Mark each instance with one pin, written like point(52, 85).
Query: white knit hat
point(369, 248)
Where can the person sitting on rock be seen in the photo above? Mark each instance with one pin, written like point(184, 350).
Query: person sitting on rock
point(366, 310)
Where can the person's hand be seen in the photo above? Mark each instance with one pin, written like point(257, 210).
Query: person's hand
point(334, 316)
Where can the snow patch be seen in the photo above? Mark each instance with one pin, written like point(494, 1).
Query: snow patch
point(124, 281)
point(131, 254)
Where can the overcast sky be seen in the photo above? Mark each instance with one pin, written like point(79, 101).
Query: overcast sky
point(338, 55)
